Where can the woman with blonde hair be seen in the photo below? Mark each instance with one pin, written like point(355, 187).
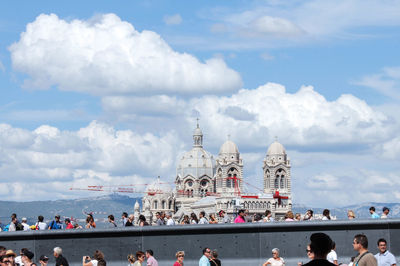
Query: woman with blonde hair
point(289, 216)
point(98, 256)
point(180, 255)
point(351, 215)
point(131, 259)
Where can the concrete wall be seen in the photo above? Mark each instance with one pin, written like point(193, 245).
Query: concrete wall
point(245, 244)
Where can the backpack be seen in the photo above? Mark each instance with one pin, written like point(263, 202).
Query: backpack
point(54, 225)
point(19, 227)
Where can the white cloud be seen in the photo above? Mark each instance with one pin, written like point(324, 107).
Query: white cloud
point(307, 21)
point(267, 56)
point(107, 56)
point(304, 118)
point(55, 160)
point(173, 20)
point(387, 82)
point(274, 26)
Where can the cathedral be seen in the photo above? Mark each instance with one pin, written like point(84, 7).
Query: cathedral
point(203, 182)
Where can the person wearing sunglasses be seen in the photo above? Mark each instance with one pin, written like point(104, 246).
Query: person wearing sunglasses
point(205, 259)
point(275, 260)
point(180, 255)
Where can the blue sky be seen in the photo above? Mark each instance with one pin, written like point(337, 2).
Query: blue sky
point(105, 92)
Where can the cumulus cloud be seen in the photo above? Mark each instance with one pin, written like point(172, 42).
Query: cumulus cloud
point(97, 154)
point(173, 19)
point(304, 118)
point(107, 56)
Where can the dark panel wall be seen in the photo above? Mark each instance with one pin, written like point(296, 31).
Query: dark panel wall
point(249, 244)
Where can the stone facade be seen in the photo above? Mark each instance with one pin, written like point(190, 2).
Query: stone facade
point(205, 183)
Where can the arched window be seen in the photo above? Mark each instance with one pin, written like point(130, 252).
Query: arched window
point(276, 185)
point(267, 179)
point(229, 181)
point(170, 204)
point(155, 204)
point(163, 204)
point(282, 181)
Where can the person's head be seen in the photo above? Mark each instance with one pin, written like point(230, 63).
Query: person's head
point(111, 218)
point(43, 260)
point(193, 216)
point(275, 253)
point(131, 258)
point(162, 215)
point(212, 217)
point(14, 215)
point(207, 252)
point(257, 217)
point(57, 251)
point(24, 220)
point(289, 215)
point(124, 215)
point(246, 212)
point(180, 255)
point(360, 242)
point(241, 213)
point(371, 209)
point(268, 213)
point(297, 216)
point(351, 215)
point(186, 217)
point(326, 213)
point(310, 253)
point(27, 256)
point(382, 245)
point(40, 218)
point(57, 218)
point(142, 218)
point(385, 210)
point(88, 219)
point(320, 245)
point(158, 215)
point(202, 214)
point(21, 252)
point(67, 221)
point(131, 217)
point(168, 215)
point(98, 255)
point(149, 253)
point(214, 254)
point(140, 256)
point(9, 257)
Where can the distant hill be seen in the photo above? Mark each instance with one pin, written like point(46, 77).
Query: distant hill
point(115, 204)
point(101, 207)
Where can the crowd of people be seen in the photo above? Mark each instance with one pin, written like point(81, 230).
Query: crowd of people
point(320, 251)
point(166, 218)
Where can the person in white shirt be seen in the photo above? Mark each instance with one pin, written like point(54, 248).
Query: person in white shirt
point(170, 221)
point(25, 225)
point(40, 225)
point(332, 256)
point(385, 213)
point(203, 219)
point(384, 257)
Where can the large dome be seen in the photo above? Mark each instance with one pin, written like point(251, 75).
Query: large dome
point(229, 147)
point(158, 187)
point(196, 162)
point(276, 149)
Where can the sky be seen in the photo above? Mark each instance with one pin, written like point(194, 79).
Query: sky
point(108, 92)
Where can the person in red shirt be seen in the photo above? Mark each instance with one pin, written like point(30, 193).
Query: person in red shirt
point(68, 224)
point(240, 218)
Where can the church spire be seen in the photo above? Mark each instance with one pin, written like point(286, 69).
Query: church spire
point(198, 136)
